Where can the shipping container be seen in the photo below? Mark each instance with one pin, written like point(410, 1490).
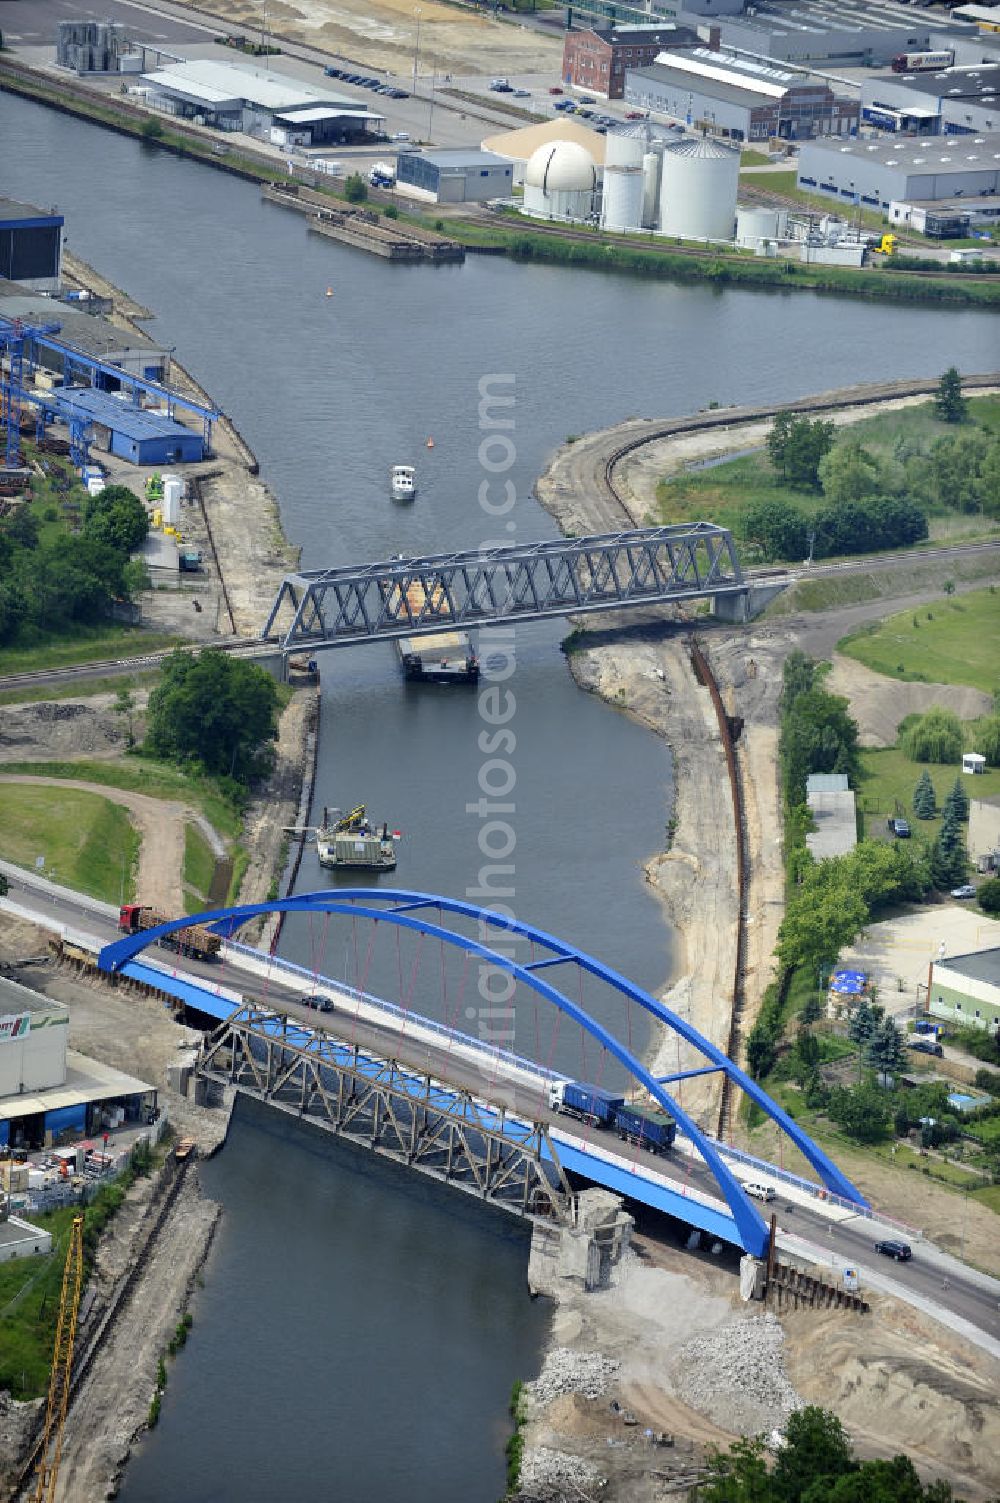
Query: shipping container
point(647, 1126)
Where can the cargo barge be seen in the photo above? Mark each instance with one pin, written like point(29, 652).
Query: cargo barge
point(353, 840)
point(439, 658)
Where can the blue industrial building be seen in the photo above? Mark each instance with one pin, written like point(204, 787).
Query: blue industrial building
point(30, 246)
point(457, 176)
point(133, 433)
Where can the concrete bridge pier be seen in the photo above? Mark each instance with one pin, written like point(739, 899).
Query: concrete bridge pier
point(585, 1250)
point(746, 604)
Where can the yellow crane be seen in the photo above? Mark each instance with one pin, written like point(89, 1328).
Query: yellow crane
point(62, 1368)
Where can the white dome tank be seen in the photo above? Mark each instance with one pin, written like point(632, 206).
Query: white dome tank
point(560, 181)
point(652, 165)
point(621, 208)
point(698, 189)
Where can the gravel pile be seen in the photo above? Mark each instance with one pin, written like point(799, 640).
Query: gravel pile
point(555, 1475)
point(586, 1373)
point(736, 1374)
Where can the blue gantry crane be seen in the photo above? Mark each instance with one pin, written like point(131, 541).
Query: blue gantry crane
point(14, 334)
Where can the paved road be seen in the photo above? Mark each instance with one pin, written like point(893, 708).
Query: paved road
point(932, 1280)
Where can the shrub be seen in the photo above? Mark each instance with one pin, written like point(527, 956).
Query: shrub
point(989, 896)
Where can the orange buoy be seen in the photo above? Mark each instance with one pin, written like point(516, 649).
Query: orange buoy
point(329, 292)
point(430, 443)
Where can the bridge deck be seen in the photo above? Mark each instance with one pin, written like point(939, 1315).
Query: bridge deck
point(523, 582)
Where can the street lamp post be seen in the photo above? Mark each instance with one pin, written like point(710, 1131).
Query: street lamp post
point(430, 112)
point(416, 47)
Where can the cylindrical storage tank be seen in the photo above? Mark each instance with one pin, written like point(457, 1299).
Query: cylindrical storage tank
point(698, 189)
point(621, 208)
point(652, 163)
point(755, 224)
point(172, 487)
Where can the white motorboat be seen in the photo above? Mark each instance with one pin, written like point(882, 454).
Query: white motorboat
point(403, 482)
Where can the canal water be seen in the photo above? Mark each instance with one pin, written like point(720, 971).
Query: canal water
point(330, 392)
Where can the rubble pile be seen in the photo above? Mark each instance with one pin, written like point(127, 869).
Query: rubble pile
point(586, 1373)
point(736, 1374)
point(555, 1475)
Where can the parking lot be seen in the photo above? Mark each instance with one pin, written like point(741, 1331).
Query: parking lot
point(897, 952)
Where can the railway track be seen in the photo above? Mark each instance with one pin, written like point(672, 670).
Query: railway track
point(116, 667)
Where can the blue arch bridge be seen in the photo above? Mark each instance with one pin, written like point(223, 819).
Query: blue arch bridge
point(470, 1113)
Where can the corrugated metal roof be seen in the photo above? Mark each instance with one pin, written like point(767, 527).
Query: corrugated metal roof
point(700, 146)
point(114, 413)
point(224, 83)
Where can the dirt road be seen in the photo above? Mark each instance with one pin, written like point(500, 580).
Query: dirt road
point(161, 824)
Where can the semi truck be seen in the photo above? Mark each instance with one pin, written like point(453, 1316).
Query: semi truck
point(922, 62)
point(587, 1103)
point(646, 1126)
point(195, 941)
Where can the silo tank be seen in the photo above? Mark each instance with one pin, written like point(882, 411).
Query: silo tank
point(698, 190)
point(623, 182)
point(172, 487)
point(651, 163)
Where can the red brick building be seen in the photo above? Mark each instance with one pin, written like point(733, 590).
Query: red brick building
point(598, 58)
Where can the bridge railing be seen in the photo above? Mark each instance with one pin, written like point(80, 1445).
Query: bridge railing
point(452, 1035)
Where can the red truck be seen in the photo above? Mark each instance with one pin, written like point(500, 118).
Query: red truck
point(195, 941)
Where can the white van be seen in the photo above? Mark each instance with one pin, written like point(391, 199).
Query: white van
point(401, 135)
point(759, 1192)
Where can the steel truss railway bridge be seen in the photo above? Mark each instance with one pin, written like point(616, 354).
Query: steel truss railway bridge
point(524, 582)
point(472, 1138)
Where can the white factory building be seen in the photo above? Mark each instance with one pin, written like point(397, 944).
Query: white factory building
point(903, 170)
point(259, 102)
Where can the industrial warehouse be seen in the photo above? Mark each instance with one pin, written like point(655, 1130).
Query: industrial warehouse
point(30, 246)
point(232, 97)
point(955, 101)
point(738, 97)
point(454, 177)
point(904, 171)
point(853, 33)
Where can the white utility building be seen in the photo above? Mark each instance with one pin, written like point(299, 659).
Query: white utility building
point(698, 189)
point(560, 182)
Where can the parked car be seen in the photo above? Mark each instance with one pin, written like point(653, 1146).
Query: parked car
point(555, 89)
point(522, 93)
point(317, 1002)
point(901, 1251)
point(965, 891)
point(925, 1046)
point(633, 114)
point(586, 99)
point(399, 94)
point(899, 827)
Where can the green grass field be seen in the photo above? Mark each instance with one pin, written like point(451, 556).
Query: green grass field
point(87, 645)
point(955, 640)
point(86, 841)
point(139, 775)
point(721, 492)
point(75, 690)
point(29, 1305)
point(199, 869)
point(887, 782)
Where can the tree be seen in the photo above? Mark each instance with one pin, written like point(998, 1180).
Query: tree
point(355, 189)
point(924, 797)
point(815, 1447)
point(777, 528)
point(214, 710)
point(989, 896)
point(818, 734)
point(986, 739)
point(863, 1112)
point(850, 473)
point(811, 1010)
point(817, 927)
point(957, 802)
point(989, 480)
point(4, 886)
point(885, 1051)
point(863, 1024)
point(117, 517)
point(151, 130)
point(949, 859)
point(796, 446)
point(935, 736)
point(953, 470)
point(949, 403)
point(124, 705)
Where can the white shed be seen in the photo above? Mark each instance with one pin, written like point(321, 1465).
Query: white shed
point(973, 762)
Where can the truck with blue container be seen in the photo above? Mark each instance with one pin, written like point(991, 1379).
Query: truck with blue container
point(587, 1103)
point(646, 1126)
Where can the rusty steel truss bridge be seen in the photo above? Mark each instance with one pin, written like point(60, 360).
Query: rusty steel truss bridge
point(320, 608)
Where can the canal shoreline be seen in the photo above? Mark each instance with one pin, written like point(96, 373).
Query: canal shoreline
point(649, 676)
